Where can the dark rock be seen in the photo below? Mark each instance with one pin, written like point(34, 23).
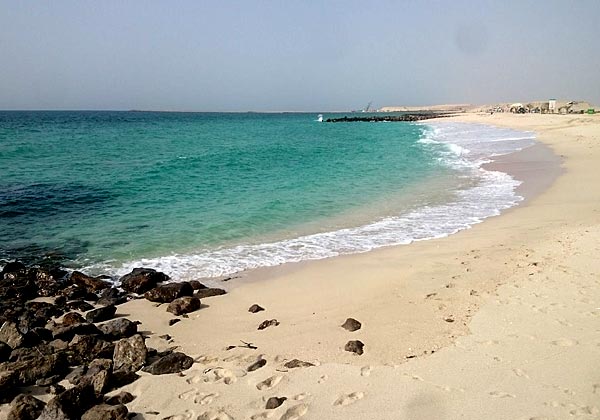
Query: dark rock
point(7, 386)
point(268, 323)
point(255, 308)
point(121, 378)
point(28, 353)
point(67, 333)
point(354, 346)
point(184, 305)
point(55, 389)
point(118, 328)
point(48, 381)
point(274, 402)
point(106, 412)
point(58, 344)
point(10, 334)
point(256, 365)
point(5, 350)
point(45, 282)
point(79, 305)
point(196, 285)
point(111, 296)
point(171, 363)
point(167, 293)
point(205, 293)
point(12, 267)
point(101, 314)
point(351, 324)
point(74, 292)
point(35, 336)
point(292, 364)
point(74, 377)
point(140, 280)
point(173, 321)
point(98, 375)
point(121, 398)
point(91, 284)
point(28, 371)
point(73, 318)
point(129, 354)
point(25, 407)
point(60, 301)
point(70, 404)
point(85, 348)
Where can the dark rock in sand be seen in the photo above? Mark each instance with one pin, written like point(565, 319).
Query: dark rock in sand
point(106, 412)
point(98, 375)
point(140, 280)
point(70, 404)
point(79, 305)
point(28, 353)
point(167, 293)
point(118, 328)
point(256, 365)
point(268, 323)
point(67, 333)
point(85, 348)
point(101, 314)
point(351, 324)
point(171, 363)
point(184, 305)
point(12, 267)
point(354, 346)
point(255, 308)
point(92, 284)
point(111, 296)
point(173, 321)
point(74, 292)
point(209, 292)
point(7, 387)
point(196, 285)
point(122, 397)
point(25, 407)
point(292, 364)
point(28, 371)
point(10, 334)
point(5, 350)
point(274, 402)
point(129, 354)
point(73, 318)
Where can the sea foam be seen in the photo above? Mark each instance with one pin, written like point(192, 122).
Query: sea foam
point(466, 148)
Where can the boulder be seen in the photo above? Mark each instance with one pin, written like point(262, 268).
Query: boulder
point(274, 402)
point(106, 412)
point(167, 293)
point(85, 348)
point(70, 404)
point(79, 305)
point(111, 296)
point(140, 280)
point(196, 285)
point(118, 328)
point(354, 346)
point(25, 407)
point(255, 308)
point(129, 354)
point(10, 334)
point(98, 375)
point(122, 397)
point(184, 305)
point(28, 371)
point(91, 284)
point(268, 323)
point(74, 291)
point(351, 324)
point(73, 318)
point(12, 267)
point(5, 350)
point(101, 314)
point(209, 292)
point(171, 363)
point(7, 387)
point(66, 333)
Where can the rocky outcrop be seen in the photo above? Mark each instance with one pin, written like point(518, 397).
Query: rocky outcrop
point(167, 293)
point(141, 280)
point(92, 284)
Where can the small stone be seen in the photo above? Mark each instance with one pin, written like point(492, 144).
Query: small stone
point(73, 318)
point(292, 364)
point(56, 389)
point(274, 402)
point(256, 365)
point(25, 407)
point(255, 308)
point(122, 397)
point(196, 285)
point(79, 305)
point(49, 380)
point(268, 323)
point(171, 363)
point(101, 314)
point(449, 319)
point(184, 305)
point(106, 412)
point(355, 346)
point(209, 292)
point(173, 321)
point(351, 324)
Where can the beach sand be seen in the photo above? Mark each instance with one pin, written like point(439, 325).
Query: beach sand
point(501, 321)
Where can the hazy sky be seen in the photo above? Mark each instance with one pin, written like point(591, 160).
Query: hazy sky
point(294, 55)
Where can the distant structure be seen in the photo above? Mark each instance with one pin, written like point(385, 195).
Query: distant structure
point(551, 106)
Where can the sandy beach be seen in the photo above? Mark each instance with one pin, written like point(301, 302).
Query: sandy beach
point(499, 321)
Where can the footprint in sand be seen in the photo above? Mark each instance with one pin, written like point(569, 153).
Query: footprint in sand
point(269, 382)
point(187, 415)
point(220, 374)
point(365, 371)
point(322, 379)
point(295, 412)
point(215, 415)
point(262, 416)
point(520, 373)
point(584, 410)
point(300, 397)
point(595, 388)
point(565, 342)
point(500, 394)
point(348, 399)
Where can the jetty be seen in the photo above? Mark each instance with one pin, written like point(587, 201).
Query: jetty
point(388, 118)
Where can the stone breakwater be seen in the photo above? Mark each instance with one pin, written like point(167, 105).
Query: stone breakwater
point(388, 118)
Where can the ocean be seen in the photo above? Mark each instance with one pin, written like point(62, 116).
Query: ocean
point(201, 195)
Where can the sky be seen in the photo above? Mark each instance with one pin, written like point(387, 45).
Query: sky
point(193, 55)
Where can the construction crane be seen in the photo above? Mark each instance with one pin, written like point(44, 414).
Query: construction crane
point(368, 107)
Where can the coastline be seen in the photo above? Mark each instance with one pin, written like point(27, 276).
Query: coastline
point(496, 321)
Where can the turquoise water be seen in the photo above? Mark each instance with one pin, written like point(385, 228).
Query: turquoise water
point(112, 187)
